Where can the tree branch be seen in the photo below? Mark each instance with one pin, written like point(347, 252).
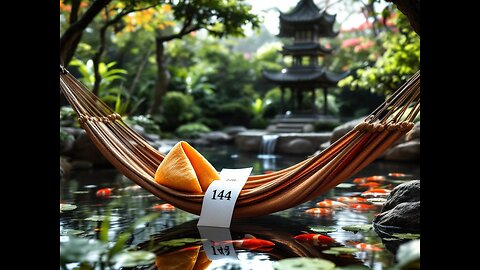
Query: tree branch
point(70, 39)
point(411, 9)
point(74, 11)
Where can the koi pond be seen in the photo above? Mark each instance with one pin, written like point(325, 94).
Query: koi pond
point(107, 222)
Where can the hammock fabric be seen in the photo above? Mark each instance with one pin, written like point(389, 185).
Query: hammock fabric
point(263, 194)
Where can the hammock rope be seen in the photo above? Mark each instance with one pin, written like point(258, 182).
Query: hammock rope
point(135, 158)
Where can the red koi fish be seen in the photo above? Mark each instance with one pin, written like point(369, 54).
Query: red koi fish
point(319, 211)
point(330, 204)
point(369, 184)
point(351, 199)
point(362, 206)
point(268, 172)
point(163, 207)
point(104, 193)
point(365, 246)
point(376, 192)
point(252, 243)
point(374, 178)
point(315, 239)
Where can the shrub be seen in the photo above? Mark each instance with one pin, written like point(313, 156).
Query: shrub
point(191, 130)
point(178, 109)
point(234, 113)
point(146, 121)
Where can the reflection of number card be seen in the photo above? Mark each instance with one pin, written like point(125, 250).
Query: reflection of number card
point(217, 243)
point(221, 196)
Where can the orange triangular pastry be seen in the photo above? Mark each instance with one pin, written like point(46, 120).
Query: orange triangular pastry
point(183, 259)
point(202, 262)
point(184, 168)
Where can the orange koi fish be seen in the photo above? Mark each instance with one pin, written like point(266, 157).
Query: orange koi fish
point(365, 246)
point(351, 199)
point(362, 206)
point(104, 192)
point(330, 204)
point(396, 174)
point(376, 192)
point(369, 184)
point(163, 207)
point(359, 180)
point(376, 178)
point(252, 243)
point(319, 211)
point(315, 239)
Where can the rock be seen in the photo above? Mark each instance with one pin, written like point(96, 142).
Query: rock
point(406, 192)
point(216, 137)
point(401, 211)
point(344, 128)
point(408, 151)
point(234, 130)
point(74, 131)
point(414, 133)
point(299, 146)
point(151, 137)
point(308, 128)
point(402, 217)
point(85, 150)
point(139, 129)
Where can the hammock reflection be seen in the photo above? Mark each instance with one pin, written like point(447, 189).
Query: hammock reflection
point(183, 243)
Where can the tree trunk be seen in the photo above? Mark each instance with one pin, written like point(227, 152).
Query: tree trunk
point(72, 36)
point(163, 77)
point(136, 79)
point(96, 59)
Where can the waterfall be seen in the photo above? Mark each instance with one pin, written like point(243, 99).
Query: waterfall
point(267, 146)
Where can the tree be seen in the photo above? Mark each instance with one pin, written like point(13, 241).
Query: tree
point(218, 17)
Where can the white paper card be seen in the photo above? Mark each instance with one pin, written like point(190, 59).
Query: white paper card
point(221, 196)
point(217, 243)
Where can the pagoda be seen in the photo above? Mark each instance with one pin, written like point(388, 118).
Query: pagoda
point(305, 24)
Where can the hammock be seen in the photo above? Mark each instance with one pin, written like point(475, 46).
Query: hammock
point(263, 194)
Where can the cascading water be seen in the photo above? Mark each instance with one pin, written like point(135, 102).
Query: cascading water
point(267, 150)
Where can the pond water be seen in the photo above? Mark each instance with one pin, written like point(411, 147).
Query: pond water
point(133, 203)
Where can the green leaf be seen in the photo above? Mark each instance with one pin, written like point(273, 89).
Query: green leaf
point(322, 229)
point(134, 258)
point(406, 235)
point(303, 263)
point(340, 250)
point(67, 207)
point(358, 227)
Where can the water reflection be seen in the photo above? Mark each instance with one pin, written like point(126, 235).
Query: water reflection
point(277, 229)
point(81, 188)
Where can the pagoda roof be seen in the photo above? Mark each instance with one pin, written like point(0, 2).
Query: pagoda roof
point(309, 47)
point(306, 15)
point(306, 11)
point(318, 76)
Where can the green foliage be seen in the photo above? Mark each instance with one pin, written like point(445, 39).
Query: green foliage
point(68, 117)
point(234, 113)
point(65, 136)
point(400, 59)
point(108, 73)
point(177, 109)
point(191, 130)
point(229, 17)
point(145, 121)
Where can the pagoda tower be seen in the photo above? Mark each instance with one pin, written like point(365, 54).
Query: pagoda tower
point(305, 24)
